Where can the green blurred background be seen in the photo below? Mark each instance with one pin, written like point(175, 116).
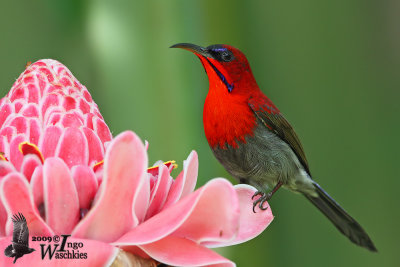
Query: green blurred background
point(332, 67)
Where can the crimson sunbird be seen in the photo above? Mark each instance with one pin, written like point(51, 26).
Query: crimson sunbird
point(254, 142)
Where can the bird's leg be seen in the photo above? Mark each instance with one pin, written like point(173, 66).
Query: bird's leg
point(277, 186)
point(264, 197)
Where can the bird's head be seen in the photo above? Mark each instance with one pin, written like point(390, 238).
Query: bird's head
point(227, 67)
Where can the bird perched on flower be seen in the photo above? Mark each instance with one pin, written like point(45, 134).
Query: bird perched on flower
point(20, 241)
point(254, 142)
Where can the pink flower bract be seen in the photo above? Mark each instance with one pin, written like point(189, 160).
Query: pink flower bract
point(61, 168)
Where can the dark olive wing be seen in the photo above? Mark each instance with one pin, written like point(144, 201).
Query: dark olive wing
point(276, 123)
point(20, 232)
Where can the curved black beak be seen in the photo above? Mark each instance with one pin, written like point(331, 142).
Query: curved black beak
point(193, 48)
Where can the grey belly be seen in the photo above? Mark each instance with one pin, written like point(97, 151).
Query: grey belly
point(263, 161)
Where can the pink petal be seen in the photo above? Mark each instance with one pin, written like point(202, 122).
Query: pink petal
point(95, 146)
point(3, 220)
point(53, 116)
point(219, 223)
point(210, 213)
point(160, 191)
point(8, 132)
point(18, 104)
point(84, 106)
point(55, 89)
point(33, 93)
point(251, 224)
point(66, 82)
point(17, 93)
point(60, 196)
point(16, 156)
point(30, 110)
point(177, 251)
point(86, 185)
point(87, 96)
point(141, 200)
point(28, 79)
point(97, 254)
point(42, 84)
point(69, 102)
point(47, 73)
point(49, 141)
point(73, 147)
point(191, 165)
point(29, 164)
point(5, 168)
point(37, 186)
point(124, 170)
point(101, 128)
point(34, 131)
point(49, 101)
point(186, 180)
point(20, 124)
point(89, 121)
point(16, 197)
point(4, 146)
point(72, 119)
point(5, 111)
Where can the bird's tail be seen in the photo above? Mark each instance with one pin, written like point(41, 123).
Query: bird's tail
point(9, 251)
point(341, 219)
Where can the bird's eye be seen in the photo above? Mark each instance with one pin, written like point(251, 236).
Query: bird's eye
point(220, 53)
point(226, 56)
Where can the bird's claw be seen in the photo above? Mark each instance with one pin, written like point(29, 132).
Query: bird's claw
point(257, 193)
point(261, 200)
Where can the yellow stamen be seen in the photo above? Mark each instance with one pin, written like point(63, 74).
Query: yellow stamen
point(29, 148)
point(166, 163)
point(97, 165)
point(171, 162)
point(2, 157)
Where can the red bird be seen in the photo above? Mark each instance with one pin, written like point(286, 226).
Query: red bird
point(254, 142)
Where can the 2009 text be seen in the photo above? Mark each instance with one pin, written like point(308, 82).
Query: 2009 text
point(49, 239)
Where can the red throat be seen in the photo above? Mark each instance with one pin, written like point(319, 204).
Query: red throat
point(227, 117)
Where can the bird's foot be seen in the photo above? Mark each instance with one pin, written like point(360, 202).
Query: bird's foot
point(257, 193)
point(261, 200)
point(264, 197)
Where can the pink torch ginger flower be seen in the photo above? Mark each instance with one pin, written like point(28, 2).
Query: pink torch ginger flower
point(61, 168)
